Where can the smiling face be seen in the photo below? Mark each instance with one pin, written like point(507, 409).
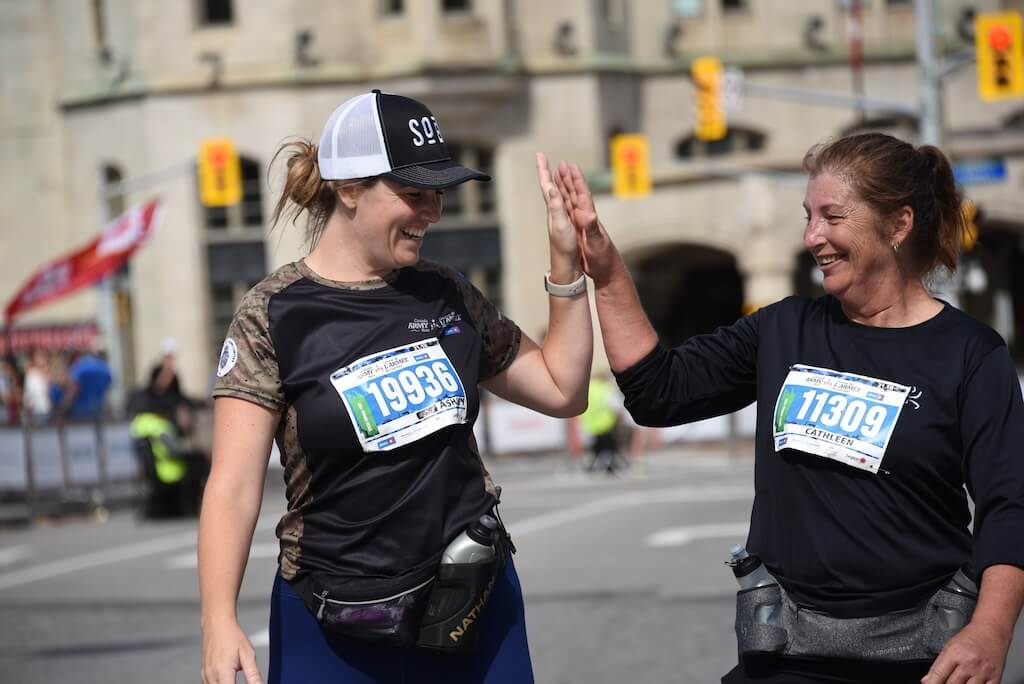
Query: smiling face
point(390, 221)
point(848, 239)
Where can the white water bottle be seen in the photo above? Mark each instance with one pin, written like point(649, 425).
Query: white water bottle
point(749, 570)
point(750, 573)
point(475, 544)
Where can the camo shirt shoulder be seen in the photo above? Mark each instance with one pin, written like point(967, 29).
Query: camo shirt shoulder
point(247, 368)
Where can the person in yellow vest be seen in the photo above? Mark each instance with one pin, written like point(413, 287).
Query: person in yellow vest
point(174, 473)
point(601, 422)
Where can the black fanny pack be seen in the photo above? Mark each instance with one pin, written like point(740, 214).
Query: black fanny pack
point(434, 606)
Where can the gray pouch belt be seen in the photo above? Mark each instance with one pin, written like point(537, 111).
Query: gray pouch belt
point(769, 621)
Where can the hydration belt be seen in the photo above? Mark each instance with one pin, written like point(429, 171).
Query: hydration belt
point(769, 621)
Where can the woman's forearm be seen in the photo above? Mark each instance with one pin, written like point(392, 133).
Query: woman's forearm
point(1000, 599)
point(626, 331)
point(226, 527)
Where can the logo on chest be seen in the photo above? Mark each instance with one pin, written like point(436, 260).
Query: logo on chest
point(432, 325)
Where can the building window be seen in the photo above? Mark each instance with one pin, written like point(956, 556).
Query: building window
point(455, 5)
point(735, 5)
point(115, 202)
point(246, 215)
point(215, 12)
point(471, 200)
point(390, 8)
point(686, 8)
point(737, 140)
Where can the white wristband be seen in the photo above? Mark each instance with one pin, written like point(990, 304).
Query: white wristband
point(578, 286)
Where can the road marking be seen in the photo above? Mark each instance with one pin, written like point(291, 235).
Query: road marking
point(680, 536)
point(612, 503)
point(116, 554)
point(13, 554)
point(191, 560)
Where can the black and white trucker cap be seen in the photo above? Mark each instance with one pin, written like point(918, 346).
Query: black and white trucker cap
point(389, 135)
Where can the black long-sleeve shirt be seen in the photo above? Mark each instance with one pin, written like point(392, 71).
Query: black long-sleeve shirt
point(847, 541)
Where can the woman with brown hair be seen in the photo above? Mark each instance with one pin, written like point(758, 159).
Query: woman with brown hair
point(878, 405)
point(363, 361)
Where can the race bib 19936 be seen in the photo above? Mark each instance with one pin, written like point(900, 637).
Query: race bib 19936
point(842, 416)
point(397, 396)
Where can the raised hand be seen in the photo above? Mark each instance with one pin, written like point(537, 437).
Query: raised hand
point(598, 253)
point(561, 232)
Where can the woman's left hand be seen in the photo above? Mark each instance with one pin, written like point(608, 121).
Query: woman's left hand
point(561, 231)
point(976, 655)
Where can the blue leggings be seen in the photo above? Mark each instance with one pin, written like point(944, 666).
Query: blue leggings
point(301, 653)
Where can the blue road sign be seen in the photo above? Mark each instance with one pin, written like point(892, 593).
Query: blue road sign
point(975, 171)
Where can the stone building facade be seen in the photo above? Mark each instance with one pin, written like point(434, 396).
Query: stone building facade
point(102, 91)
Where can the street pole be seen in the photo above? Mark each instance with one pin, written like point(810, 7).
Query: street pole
point(106, 312)
point(931, 128)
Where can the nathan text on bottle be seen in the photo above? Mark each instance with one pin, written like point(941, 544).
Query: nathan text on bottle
point(475, 544)
point(750, 573)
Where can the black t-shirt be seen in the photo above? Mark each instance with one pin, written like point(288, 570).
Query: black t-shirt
point(377, 387)
point(848, 541)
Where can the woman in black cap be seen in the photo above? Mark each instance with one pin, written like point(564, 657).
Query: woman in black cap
point(363, 361)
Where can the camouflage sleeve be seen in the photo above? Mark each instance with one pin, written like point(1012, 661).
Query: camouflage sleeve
point(500, 335)
point(247, 368)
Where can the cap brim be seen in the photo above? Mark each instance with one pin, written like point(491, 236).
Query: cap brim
point(436, 175)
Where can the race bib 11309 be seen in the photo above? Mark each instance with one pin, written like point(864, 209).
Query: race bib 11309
point(399, 395)
point(842, 416)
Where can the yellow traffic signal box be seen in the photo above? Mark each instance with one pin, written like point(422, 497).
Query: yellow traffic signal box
point(707, 79)
point(220, 173)
point(1000, 55)
point(631, 169)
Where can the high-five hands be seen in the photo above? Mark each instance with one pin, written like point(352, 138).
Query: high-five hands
point(561, 232)
point(599, 255)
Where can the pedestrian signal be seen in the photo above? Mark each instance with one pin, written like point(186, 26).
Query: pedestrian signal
point(1000, 55)
point(631, 170)
point(220, 174)
point(707, 79)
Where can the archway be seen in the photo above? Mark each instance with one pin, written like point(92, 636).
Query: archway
point(686, 289)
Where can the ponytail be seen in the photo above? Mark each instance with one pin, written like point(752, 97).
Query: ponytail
point(304, 190)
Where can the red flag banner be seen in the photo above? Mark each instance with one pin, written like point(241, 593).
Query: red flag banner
point(90, 264)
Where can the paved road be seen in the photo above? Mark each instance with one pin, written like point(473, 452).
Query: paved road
point(623, 579)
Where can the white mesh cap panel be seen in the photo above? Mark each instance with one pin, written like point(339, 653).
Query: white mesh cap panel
point(352, 143)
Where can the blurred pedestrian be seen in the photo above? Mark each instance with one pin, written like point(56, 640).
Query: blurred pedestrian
point(878, 406)
point(87, 382)
point(364, 361)
point(36, 395)
point(10, 393)
point(175, 471)
point(601, 422)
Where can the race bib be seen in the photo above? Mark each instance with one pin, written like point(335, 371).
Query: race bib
point(397, 396)
point(842, 416)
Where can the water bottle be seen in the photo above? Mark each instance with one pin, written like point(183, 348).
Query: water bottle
point(475, 544)
point(750, 572)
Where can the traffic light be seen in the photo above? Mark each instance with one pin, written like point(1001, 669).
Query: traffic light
point(220, 173)
point(631, 175)
point(1000, 55)
point(707, 79)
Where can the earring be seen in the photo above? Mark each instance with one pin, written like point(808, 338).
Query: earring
point(896, 248)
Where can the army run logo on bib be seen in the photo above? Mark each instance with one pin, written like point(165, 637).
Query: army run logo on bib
point(228, 357)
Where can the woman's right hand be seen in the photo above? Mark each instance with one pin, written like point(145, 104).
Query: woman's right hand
point(598, 253)
point(226, 651)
